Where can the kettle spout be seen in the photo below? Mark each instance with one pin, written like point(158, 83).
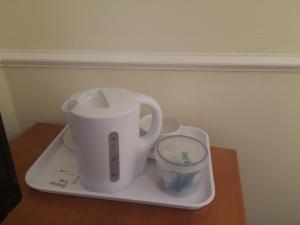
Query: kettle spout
point(69, 105)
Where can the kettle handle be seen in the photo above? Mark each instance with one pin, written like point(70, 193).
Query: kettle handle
point(150, 137)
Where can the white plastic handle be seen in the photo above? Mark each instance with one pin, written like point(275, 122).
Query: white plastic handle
point(150, 137)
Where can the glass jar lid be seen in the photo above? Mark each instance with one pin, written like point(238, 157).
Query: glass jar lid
point(181, 150)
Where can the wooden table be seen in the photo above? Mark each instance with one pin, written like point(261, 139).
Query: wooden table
point(39, 208)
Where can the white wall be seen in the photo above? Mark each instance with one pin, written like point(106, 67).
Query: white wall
point(255, 113)
point(7, 109)
point(141, 25)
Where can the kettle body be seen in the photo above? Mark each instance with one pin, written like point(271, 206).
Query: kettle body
point(104, 124)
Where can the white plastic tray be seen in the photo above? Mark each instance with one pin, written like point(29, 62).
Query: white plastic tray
point(55, 171)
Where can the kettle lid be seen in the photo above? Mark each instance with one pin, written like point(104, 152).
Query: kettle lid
point(102, 103)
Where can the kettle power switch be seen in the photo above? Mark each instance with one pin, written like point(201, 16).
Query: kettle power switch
point(114, 164)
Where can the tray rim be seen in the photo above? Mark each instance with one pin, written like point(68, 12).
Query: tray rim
point(189, 206)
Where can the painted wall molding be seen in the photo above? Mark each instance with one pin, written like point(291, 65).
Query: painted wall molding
point(149, 60)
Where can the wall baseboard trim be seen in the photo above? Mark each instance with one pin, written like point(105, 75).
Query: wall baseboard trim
point(149, 60)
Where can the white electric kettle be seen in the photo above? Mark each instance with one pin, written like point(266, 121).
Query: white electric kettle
point(105, 127)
